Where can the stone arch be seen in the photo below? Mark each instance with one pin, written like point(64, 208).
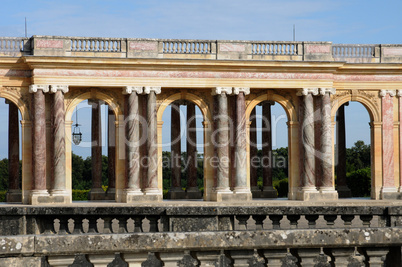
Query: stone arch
point(208, 148)
point(26, 147)
point(293, 143)
point(119, 121)
point(375, 136)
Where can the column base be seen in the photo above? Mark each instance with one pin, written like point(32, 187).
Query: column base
point(390, 193)
point(328, 193)
point(256, 192)
point(193, 193)
point(153, 195)
point(269, 192)
point(14, 195)
point(39, 197)
point(176, 193)
point(97, 194)
point(344, 191)
point(220, 195)
point(61, 196)
point(292, 194)
point(308, 194)
point(110, 194)
point(130, 196)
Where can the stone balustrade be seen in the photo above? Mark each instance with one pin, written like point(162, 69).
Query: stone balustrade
point(231, 234)
point(199, 49)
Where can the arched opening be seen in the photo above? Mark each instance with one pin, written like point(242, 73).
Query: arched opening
point(10, 152)
point(353, 150)
point(183, 150)
point(93, 160)
point(269, 160)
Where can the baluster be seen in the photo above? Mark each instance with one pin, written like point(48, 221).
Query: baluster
point(330, 219)
point(153, 224)
point(287, 49)
point(91, 45)
point(138, 224)
point(271, 48)
point(293, 219)
point(114, 46)
point(92, 225)
point(366, 219)
point(347, 220)
point(1, 44)
point(7, 44)
point(122, 224)
point(118, 46)
point(110, 46)
point(311, 220)
point(242, 221)
point(78, 229)
point(63, 221)
point(259, 221)
point(107, 225)
point(72, 45)
point(282, 49)
point(86, 45)
point(202, 47)
point(276, 221)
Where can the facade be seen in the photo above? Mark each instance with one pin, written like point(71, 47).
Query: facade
point(45, 77)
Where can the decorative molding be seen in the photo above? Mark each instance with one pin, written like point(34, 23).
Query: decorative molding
point(130, 89)
point(391, 93)
point(331, 91)
point(220, 90)
point(306, 91)
point(55, 88)
point(149, 89)
point(245, 90)
point(33, 88)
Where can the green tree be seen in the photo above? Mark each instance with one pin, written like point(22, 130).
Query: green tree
point(358, 157)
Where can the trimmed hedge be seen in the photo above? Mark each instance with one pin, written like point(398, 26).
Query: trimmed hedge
point(80, 195)
point(359, 182)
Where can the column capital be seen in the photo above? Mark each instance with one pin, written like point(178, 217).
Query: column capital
point(55, 88)
point(391, 93)
point(220, 90)
point(238, 90)
point(331, 91)
point(127, 90)
point(399, 93)
point(149, 89)
point(33, 88)
point(306, 91)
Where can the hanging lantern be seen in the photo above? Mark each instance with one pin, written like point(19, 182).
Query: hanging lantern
point(77, 135)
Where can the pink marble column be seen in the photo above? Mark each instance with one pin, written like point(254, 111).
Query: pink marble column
point(221, 134)
point(326, 159)
point(38, 140)
point(59, 145)
point(14, 188)
point(132, 130)
point(342, 188)
point(175, 135)
point(400, 138)
point(387, 143)
point(253, 155)
point(317, 140)
point(96, 192)
point(111, 154)
point(240, 159)
point(307, 140)
point(151, 187)
point(268, 190)
point(192, 188)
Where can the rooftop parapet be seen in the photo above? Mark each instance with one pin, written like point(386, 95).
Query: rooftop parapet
point(199, 49)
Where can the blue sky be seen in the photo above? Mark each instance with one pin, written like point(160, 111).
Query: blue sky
point(352, 21)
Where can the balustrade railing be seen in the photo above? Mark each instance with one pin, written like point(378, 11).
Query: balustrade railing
point(11, 44)
point(353, 51)
point(275, 48)
point(95, 45)
point(186, 47)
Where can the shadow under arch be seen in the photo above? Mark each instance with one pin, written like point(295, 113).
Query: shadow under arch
point(208, 149)
point(375, 137)
point(119, 121)
point(293, 145)
point(26, 147)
